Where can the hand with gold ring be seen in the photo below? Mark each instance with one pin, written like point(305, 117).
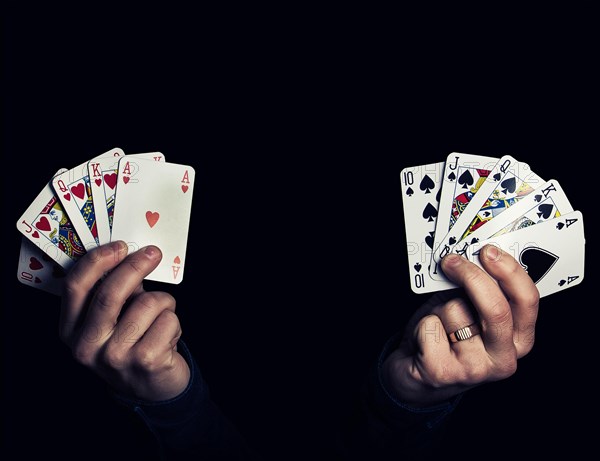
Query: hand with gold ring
point(452, 343)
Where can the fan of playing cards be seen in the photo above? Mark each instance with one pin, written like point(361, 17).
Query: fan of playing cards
point(137, 198)
point(469, 201)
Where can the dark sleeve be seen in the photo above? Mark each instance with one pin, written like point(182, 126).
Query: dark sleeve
point(190, 426)
point(384, 428)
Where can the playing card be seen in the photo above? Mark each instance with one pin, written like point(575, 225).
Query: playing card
point(505, 184)
point(421, 186)
point(546, 202)
point(103, 182)
point(463, 175)
point(47, 225)
point(551, 252)
point(152, 207)
point(74, 190)
point(38, 270)
point(156, 156)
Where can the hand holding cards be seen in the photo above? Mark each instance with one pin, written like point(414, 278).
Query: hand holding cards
point(137, 198)
point(468, 201)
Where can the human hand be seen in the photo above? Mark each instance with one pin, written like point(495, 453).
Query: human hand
point(124, 334)
point(428, 367)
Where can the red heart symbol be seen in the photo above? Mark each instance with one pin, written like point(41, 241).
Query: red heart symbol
point(43, 224)
point(152, 218)
point(67, 196)
point(34, 264)
point(38, 280)
point(98, 182)
point(36, 234)
point(111, 180)
point(184, 188)
point(177, 260)
point(78, 190)
point(125, 179)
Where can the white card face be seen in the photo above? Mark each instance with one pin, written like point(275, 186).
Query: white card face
point(103, 182)
point(546, 202)
point(421, 187)
point(507, 183)
point(47, 225)
point(551, 252)
point(74, 191)
point(152, 207)
point(463, 174)
point(38, 270)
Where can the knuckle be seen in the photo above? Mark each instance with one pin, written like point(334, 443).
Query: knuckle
point(531, 299)
point(154, 300)
point(507, 369)
point(440, 376)
point(524, 350)
point(147, 359)
point(524, 339)
point(83, 354)
point(106, 299)
point(71, 284)
point(475, 373)
point(456, 307)
point(114, 358)
point(498, 311)
point(170, 318)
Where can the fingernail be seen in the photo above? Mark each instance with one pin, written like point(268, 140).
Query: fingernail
point(492, 253)
point(151, 251)
point(452, 260)
point(121, 246)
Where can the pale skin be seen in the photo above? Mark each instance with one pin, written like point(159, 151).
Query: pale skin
point(128, 336)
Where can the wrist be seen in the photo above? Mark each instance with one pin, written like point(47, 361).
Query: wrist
point(396, 380)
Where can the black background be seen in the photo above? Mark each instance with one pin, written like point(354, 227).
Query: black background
point(296, 274)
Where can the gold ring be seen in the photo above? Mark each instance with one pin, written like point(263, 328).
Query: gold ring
point(464, 333)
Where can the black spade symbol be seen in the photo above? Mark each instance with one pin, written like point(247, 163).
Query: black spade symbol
point(538, 197)
point(537, 262)
point(452, 176)
point(426, 184)
point(508, 185)
point(437, 196)
point(429, 212)
point(452, 240)
point(474, 240)
point(562, 282)
point(545, 210)
point(560, 225)
point(466, 179)
point(410, 192)
point(418, 267)
point(497, 177)
point(429, 240)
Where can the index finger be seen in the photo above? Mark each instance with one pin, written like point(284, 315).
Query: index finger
point(115, 290)
point(492, 306)
point(81, 280)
